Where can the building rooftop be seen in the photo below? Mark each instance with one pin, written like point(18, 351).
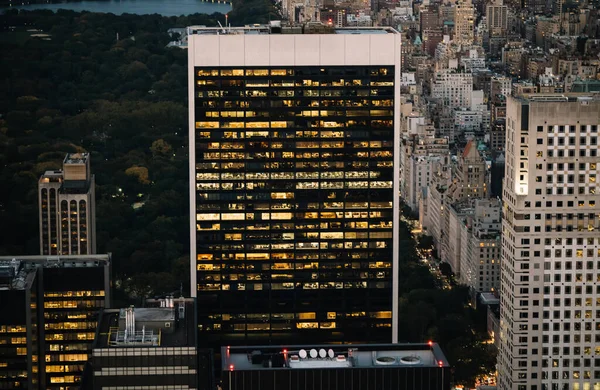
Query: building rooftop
point(169, 326)
point(332, 356)
point(275, 27)
point(488, 298)
point(16, 275)
point(76, 158)
point(18, 272)
point(59, 261)
point(559, 97)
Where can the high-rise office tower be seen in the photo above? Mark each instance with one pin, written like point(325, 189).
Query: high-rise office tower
point(49, 316)
point(550, 297)
point(464, 22)
point(67, 203)
point(293, 183)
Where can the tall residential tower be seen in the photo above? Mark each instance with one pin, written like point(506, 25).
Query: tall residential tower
point(550, 295)
point(294, 182)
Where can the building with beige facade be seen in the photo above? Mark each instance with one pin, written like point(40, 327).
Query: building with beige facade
point(67, 208)
point(549, 332)
point(464, 22)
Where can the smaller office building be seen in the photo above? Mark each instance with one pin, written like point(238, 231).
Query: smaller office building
point(146, 348)
point(336, 367)
point(50, 308)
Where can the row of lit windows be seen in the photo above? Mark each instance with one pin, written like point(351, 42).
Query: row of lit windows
point(278, 165)
point(289, 103)
point(310, 235)
point(299, 275)
point(293, 155)
point(65, 368)
point(70, 336)
point(302, 113)
point(288, 266)
point(73, 304)
point(372, 123)
point(266, 83)
point(276, 134)
point(298, 257)
point(70, 316)
point(68, 347)
point(299, 226)
point(13, 340)
point(310, 205)
point(287, 216)
point(63, 379)
point(67, 357)
point(69, 294)
point(312, 245)
point(287, 175)
point(281, 326)
point(13, 329)
point(332, 315)
point(301, 245)
point(297, 144)
point(71, 325)
point(312, 71)
point(286, 94)
point(210, 89)
point(291, 285)
point(298, 184)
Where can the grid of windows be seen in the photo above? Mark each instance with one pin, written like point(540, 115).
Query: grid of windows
point(70, 322)
point(294, 177)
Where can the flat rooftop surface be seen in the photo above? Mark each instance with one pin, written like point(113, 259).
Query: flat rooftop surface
point(143, 314)
point(289, 30)
point(332, 356)
point(181, 334)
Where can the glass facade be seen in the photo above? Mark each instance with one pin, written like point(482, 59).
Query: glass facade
point(294, 193)
point(71, 302)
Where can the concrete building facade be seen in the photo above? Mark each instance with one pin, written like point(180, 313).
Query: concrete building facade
point(550, 246)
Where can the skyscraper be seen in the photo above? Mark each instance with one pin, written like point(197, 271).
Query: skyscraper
point(67, 203)
point(549, 329)
point(293, 183)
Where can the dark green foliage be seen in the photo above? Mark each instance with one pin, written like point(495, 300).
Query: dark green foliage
point(427, 312)
point(425, 242)
point(124, 101)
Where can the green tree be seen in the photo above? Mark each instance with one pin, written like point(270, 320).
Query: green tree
point(161, 148)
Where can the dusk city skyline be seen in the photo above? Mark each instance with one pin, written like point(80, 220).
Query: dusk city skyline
point(315, 194)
